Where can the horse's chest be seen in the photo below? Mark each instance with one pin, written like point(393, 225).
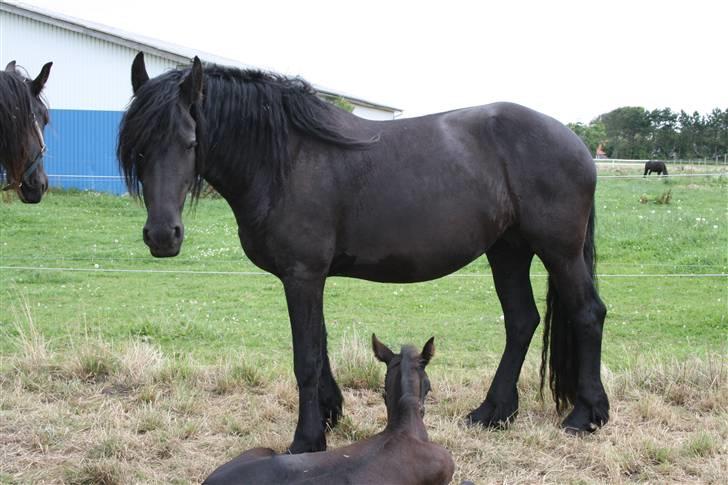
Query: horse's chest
point(256, 253)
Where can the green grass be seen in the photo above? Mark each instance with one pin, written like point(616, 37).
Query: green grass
point(210, 316)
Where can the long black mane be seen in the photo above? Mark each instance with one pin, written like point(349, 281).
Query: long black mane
point(16, 121)
point(243, 124)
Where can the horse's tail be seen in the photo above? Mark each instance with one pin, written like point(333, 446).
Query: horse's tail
point(558, 334)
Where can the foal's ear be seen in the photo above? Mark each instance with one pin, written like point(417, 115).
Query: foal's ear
point(38, 83)
point(381, 351)
point(428, 351)
point(10, 67)
point(138, 73)
point(191, 86)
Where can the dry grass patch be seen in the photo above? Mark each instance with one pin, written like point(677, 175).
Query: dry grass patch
point(354, 365)
point(133, 415)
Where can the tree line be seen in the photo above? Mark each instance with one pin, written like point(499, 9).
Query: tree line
point(636, 133)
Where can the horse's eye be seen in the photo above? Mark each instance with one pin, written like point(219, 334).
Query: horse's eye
point(192, 145)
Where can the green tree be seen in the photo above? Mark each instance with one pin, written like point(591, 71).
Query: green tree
point(664, 133)
point(592, 134)
point(628, 132)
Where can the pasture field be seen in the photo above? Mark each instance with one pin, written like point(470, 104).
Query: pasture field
point(116, 367)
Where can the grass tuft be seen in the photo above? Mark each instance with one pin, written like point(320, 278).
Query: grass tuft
point(701, 446)
point(354, 365)
point(104, 472)
point(238, 376)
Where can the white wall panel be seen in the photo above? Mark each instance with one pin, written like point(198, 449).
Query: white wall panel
point(87, 73)
point(372, 113)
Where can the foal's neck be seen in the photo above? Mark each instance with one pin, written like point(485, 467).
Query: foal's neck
point(406, 417)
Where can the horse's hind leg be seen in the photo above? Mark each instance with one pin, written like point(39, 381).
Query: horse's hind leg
point(329, 394)
point(576, 343)
point(510, 265)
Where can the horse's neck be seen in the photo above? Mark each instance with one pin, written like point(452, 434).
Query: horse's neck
point(407, 418)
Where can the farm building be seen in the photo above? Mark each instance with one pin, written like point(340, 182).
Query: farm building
point(90, 87)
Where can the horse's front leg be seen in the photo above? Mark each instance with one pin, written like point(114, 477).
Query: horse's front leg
point(305, 309)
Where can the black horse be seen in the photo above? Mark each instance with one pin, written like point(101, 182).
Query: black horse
point(23, 116)
point(401, 454)
point(319, 192)
point(655, 166)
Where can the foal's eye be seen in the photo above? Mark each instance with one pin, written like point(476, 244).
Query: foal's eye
point(191, 145)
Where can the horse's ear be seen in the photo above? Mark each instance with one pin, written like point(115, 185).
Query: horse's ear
point(38, 83)
point(10, 67)
point(138, 72)
point(191, 85)
point(381, 351)
point(428, 351)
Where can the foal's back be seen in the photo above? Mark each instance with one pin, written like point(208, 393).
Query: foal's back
point(387, 458)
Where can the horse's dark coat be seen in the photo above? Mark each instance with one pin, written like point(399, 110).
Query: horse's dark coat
point(400, 455)
point(655, 166)
point(23, 115)
point(318, 192)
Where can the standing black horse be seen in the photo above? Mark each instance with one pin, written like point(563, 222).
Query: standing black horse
point(655, 166)
point(23, 116)
point(319, 192)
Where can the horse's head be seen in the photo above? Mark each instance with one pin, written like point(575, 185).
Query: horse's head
point(24, 146)
point(406, 382)
point(158, 150)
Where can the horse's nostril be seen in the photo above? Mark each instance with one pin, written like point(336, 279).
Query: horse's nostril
point(145, 234)
point(177, 232)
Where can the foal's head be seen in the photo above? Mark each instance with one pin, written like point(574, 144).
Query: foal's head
point(23, 116)
point(406, 384)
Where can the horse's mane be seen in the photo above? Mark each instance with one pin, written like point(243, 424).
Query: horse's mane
point(243, 123)
point(16, 121)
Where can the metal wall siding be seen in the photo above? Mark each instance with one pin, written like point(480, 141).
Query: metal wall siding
point(88, 73)
point(81, 150)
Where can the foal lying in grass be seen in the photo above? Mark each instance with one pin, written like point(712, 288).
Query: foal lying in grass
point(400, 455)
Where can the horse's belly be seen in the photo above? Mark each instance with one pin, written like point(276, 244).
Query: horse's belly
point(403, 266)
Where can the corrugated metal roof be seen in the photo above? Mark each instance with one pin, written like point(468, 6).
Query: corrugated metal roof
point(177, 53)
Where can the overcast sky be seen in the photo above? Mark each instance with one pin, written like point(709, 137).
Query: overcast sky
point(570, 59)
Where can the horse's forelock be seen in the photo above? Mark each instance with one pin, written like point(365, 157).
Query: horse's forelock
point(149, 121)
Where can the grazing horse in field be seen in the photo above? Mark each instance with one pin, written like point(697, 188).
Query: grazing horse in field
point(400, 455)
point(319, 192)
point(655, 166)
point(23, 116)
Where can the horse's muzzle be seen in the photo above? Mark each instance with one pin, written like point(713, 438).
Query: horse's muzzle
point(164, 241)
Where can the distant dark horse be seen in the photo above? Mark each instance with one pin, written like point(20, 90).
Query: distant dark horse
point(319, 192)
point(400, 455)
point(655, 166)
point(23, 116)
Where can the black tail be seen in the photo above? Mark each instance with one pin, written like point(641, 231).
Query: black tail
point(563, 361)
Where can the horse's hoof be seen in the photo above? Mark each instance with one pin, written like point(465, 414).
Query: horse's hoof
point(301, 446)
point(491, 416)
point(584, 419)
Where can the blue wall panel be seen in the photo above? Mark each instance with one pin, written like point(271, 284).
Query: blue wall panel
point(82, 150)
